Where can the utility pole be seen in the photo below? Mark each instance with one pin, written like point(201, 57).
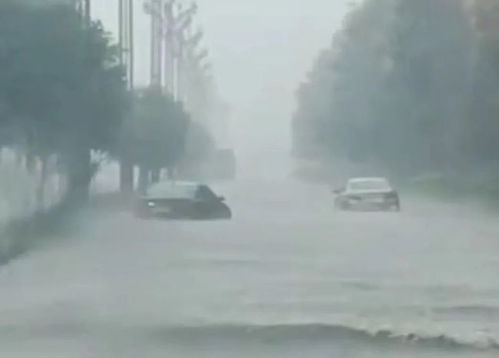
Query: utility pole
point(188, 65)
point(84, 8)
point(155, 9)
point(169, 21)
point(182, 25)
point(87, 14)
point(78, 5)
point(169, 46)
point(126, 45)
point(126, 39)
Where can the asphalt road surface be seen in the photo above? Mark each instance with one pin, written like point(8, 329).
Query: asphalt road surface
point(288, 277)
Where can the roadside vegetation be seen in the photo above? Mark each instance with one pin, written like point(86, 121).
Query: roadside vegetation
point(155, 135)
point(64, 100)
point(64, 106)
point(62, 92)
point(447, 189)
point(408, 89)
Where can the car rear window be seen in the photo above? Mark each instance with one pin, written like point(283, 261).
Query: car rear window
point(173, 191)
point(369, 185)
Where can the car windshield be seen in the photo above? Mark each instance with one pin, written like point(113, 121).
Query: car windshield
point(173, 191)
point(368, 184)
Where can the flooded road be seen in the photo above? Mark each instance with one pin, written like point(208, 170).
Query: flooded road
point(288, 277)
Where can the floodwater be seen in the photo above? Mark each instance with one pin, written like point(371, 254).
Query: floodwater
point(287, 277)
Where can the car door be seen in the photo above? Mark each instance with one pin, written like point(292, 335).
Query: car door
point(207, 201)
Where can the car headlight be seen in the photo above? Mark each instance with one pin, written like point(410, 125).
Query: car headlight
point(151, 204)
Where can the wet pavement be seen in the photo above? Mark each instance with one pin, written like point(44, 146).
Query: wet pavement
point(288, 277)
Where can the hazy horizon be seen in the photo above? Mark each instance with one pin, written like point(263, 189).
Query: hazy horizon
point(260, 52)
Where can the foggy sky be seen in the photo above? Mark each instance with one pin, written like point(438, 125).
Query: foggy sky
point(260, 49)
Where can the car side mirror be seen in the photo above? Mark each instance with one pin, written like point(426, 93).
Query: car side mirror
point(338, 191)
point(221, 199)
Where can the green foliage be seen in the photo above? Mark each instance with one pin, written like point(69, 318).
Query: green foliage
point(59, 80)
point(484, 129)
point(157, 131)
point(62, 92)
point(61, 89)
point(406, 86)
point(336, 102)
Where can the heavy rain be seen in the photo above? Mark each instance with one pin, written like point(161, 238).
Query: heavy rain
point(229, 178)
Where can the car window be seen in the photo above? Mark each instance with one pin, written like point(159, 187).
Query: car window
point(369, 185)
point(172, 191)
point(205, 193)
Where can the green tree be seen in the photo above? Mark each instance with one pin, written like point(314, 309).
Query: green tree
point(157, 133)
point(60, 86)
point(483, 127)
point(393, 90)
point(432, 53)
point(337, 104)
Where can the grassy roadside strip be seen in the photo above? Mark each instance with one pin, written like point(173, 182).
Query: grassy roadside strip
point(19, 236)
point(484, 193)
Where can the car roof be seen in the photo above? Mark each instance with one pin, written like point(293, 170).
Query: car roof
point(367, 179)
point(176, 183)
point(173, 189)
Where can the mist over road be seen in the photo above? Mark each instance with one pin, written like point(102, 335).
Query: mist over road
point(289, 276)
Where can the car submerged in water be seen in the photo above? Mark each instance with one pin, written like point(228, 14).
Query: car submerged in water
point(367, 194)
point(182, 200)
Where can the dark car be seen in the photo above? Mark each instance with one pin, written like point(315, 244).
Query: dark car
point(367, 194)
point(182, 200)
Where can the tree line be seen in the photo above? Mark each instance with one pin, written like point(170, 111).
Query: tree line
point(408, 87)
point(63, 95)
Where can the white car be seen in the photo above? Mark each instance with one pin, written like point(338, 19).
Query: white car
point(367, 194)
